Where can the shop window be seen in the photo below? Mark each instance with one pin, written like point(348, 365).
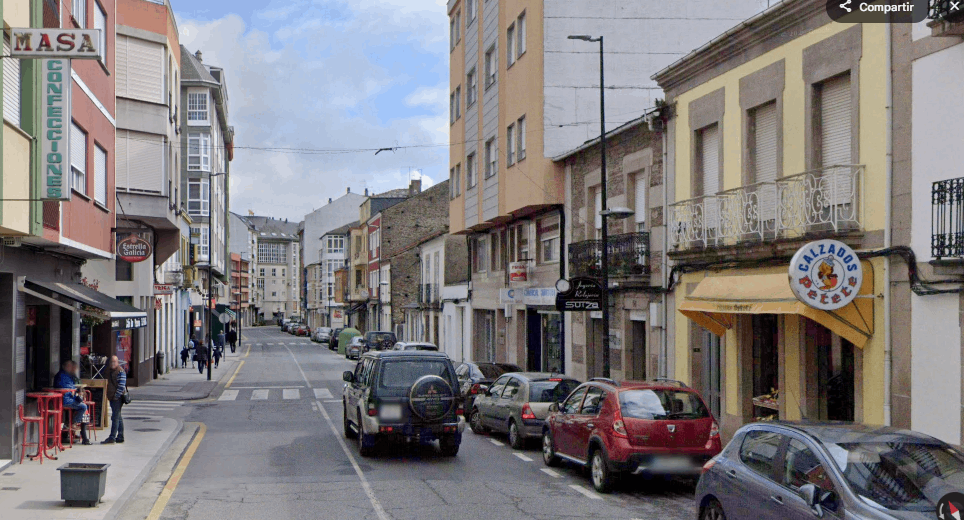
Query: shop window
point(766, 387)
point(835, 399)
point(123, 271)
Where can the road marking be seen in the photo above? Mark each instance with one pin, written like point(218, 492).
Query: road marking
point(585, 492)
point(376, 505)
point(271, 387)
point(156, 407)
point(241, 364)
point(323, 393)
point(165, 403)
point(269, 343)
point(521, 457)
point(248, 352)
point(172, 482)
point(290, 393)
point(229, 395)
point(497, 443)
point(259, 395)
point(329, 401)
point(550, 472)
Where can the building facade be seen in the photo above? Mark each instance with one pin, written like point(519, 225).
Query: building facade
point(277, 267)
point(333, 256)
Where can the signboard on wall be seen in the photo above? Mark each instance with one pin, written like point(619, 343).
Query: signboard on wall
point(578, 294)
point(163, 288)
point(133, 248)
point(826, 274)
point(518, 271)
point(55, 90)
point(43, 43)
point(509, 296)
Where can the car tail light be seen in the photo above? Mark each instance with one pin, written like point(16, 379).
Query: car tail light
point(460, 410)
point(385, 429)
point(474, 390)
point(372, 410)
point(619, 427)
point(555, 379)
point(527, 412)
point(714, 435)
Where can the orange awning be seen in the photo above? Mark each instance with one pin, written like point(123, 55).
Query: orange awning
point(717, 299)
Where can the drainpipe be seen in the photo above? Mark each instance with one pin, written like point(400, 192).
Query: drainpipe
point(664, 336)
point(562, 275)
point(888, 197)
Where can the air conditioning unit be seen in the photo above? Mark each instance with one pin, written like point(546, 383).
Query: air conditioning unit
point(12, 241)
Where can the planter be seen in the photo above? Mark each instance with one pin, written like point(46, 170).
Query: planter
point(82, 483)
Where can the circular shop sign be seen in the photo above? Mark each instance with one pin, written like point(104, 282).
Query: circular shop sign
point(826, 274)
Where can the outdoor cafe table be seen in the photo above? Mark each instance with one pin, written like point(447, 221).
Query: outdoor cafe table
point(62, 392)
point(44, 400)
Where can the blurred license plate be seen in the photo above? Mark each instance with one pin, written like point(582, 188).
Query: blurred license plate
point(391, 412)
point(671, 463)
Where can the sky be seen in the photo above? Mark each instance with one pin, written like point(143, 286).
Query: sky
point(326, 76)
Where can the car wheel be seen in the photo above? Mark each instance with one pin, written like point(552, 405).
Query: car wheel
point(548, 450)
point(349, 433)
point(712, 511)
point(449, 446)
point(515, 437)
point(366, 443)
point(475, 422)
point(600, 474)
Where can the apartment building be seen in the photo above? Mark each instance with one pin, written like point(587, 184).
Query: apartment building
point(377, 299)
point(277, 266)
point(333, 255)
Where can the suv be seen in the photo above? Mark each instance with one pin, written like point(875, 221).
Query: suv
point(654, 427)
point(403, 396)
point(378, 340)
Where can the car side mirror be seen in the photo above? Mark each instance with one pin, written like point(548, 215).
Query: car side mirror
point(814, 498)
point(348, 376)
point(554, 408)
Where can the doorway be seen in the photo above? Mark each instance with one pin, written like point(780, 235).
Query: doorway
point(594, 361)
point(835, 373)
point(765, 363)
point(638, 351)
point(712, 371)
point(533, 341)
point(38, 347)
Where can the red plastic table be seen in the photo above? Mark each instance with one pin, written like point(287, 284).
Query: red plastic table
point(44, 402)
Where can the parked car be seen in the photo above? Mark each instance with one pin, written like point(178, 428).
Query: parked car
point(414, 345)
point(321, 334)
point(302, 330)
point(403, 396)
point(654, 427)
point(284, 324)
point(333, 342)
point(831, 470)
point(474, 378)
point(344, 338)
point(355, 348)
point(293, 328)
point(518, 403)
point(380, 340)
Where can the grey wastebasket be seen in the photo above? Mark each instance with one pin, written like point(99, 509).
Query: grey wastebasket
point(82, 483)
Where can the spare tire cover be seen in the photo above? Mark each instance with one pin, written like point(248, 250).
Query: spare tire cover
point(431, 397)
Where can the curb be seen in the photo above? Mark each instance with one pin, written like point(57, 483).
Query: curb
point(136, 484)
point(191, 397)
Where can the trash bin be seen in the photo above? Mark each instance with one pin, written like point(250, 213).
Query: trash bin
point(82, 483)
point(159, 361)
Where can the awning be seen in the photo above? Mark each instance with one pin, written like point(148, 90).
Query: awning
point(717, 300)
point(121, 315)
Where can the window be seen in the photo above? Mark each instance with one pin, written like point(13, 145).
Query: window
point(455, 180)
point(12, 82)
point(100, 22)
point(597, 207)
point(708, 170)
point(197, 197)
point(574, 402)
point(481, 261)
point(202, 232)
point(639, 208)
point(199, 152)
point(511, 390)
point(490, 67)
point(593, 402)
point(759, 451)
point(197, 107)
point(835, 135)
point(274, 293)
point(336, 245)
point(470, 9)
point(548, 229)
point(455, 29)
point(510, 145)
point(510, 46)
point(495, 253)
point(455, 105)
point(519, 242)
point(78, 158)
point(123, 271)
point(272, 253)
point(471, 87)
point(79, 13)
point(803, 467)
point(274, 271)
point(100, 175)
point(491, 159)
point(470, 172)
point(262, 272)
point(520, 33)
point(521, 141)
point(762, 142)
point(282, 271)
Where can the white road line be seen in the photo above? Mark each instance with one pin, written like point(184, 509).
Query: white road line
point(260, 387)
point(376, 505)
point(550, 472)
point(329, 401)
point(149, 407)
point(290, 393)
point(259, 395)
point(521, 457)
point(229, 395)
point(497, 443)
point(323, 393)
point(585, 492)
point(165, 403)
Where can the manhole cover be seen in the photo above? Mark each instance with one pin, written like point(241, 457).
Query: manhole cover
point(147, 429)
point(136, 418)
point(10, 489)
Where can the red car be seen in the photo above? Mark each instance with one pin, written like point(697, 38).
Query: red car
point(655, 427)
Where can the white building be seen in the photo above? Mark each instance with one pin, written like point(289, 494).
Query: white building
point(333, 255)
point(277, 267)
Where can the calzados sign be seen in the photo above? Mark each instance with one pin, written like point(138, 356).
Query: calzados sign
point(56, 43)
point(134, 249)
point(826, 275)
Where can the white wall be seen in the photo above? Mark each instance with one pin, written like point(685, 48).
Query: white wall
point(936, 366)
point(339, 212)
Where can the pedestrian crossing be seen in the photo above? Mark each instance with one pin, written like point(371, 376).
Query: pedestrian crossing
point(275, 394)
point(148, 407)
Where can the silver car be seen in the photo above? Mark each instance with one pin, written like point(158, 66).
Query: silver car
point(803, 471)
point(518, 403)
point(355, 348)
point(414, 345)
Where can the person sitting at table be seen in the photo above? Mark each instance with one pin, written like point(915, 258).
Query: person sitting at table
point(68, 378)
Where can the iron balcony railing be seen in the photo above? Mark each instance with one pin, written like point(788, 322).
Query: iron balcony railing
point(947, 219)
point(428, 294)
point(628, 256)
point(950, 10)
point(826, 199)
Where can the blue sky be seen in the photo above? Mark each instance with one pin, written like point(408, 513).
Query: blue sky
point(330, 75)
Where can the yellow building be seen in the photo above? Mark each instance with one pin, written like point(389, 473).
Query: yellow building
point(777, 139)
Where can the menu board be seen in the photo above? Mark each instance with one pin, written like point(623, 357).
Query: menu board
point(98, 393)
point(123, 350)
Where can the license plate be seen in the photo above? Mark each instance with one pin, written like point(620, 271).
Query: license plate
point(671, 463)
point(390, 412)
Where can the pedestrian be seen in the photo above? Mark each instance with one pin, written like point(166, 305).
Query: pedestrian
point(67, 378)
point(232, 338)
point(202, 357)
point(116, 390)
point(193, 347)
point(221, 340)
point(217, 356)
point(184, 353)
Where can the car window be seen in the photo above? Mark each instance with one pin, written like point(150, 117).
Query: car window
point(552, 390)
point(593, 402)
point(654, 405)
point(574, 401)
point(511, 389)
point(358, 371)
point(759, 451)
point(462, 372)
point(476, 373)
point(367, 371)
point(402, 373)
point(496, 388)
point(801, 466)
point(490, 371)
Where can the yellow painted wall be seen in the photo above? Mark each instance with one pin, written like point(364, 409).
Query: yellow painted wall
point(16, 181)
point(16, 13)
point(457, 72)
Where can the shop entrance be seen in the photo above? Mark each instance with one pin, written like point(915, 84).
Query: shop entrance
point(712, 378)
point(38, 347)
point(834, 371)
point(766, 385)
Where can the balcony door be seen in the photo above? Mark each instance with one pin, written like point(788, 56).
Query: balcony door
point(836, 138)
point(708, 156)
point(763, 132)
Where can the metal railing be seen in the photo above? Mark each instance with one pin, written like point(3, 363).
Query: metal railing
point(947, 218)
point(428, 294)
point(826, 199)
point(628, 256)
point(945, 10)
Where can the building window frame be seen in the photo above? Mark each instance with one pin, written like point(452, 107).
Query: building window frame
point(199, 152)
point(471, 171)
point(79, 7)
point(471, 87)
point(78, 164)
point(510, 46)
point(520, 27)
point(455, 30)
point(198, 107)
point(198, 203)
point(520, 147)
point(491, 158)
point(548, 230)
point(491, 67)
point(510, 138)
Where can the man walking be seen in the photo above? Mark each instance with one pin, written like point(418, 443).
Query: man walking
point(233, 338)
point(67, 379)
point(202, 357)
point(116, 388)
point(184, 353)
point(217, 356)
point(192, 345)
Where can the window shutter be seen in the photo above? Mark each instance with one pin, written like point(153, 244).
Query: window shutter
point(835, 134)
point(100, 175)
point(120, 66)
point(597, 218)
point(146, 71)
point(765, 156)
point(145, 160)
point(11, 86)
point(710, 162)
point(78, 148)
point(640, 200)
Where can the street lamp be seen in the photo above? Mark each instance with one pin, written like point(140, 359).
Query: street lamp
point(604, 211)
point(210, 309)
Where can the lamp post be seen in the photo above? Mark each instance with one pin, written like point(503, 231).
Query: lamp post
point(210, 308)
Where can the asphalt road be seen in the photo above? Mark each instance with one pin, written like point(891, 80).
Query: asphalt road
point(273, 449)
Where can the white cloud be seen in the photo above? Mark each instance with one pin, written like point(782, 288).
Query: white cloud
point(427, 96)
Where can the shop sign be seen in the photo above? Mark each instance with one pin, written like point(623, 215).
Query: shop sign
point(157, 304)
point(540, 296)
point(826, 274)
point(133, 248)
point(509, 296)
point(55, 90)
point(197, 324)
point(337, 314)
point(518, 271)
point(578, 294)
point(46, 43)
point(128, 323)
point(163, 288)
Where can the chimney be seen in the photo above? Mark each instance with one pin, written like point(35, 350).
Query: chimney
point(329, 200)
point(198, 55)
point(415, 188)
point(366, 192)
point(349, 189)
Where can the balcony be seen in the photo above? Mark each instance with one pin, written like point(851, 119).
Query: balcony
point(948, 10)
point(947, 219)
point(822, 201)
point(428, 295)
point(628, 256)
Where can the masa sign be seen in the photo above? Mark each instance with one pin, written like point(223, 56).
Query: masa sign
point(56, 43)
point(133, 249)
point(55, 121)
point(826, 275)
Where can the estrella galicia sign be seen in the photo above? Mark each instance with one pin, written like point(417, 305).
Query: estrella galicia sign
point(826, 274)
point(578, 294)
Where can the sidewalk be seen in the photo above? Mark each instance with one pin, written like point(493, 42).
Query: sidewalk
point(186, 384)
